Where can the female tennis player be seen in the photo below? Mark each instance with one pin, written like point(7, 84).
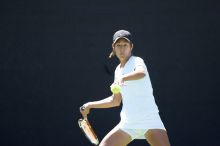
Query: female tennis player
point(139, 115)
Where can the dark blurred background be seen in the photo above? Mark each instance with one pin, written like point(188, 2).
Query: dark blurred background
point(54, 58)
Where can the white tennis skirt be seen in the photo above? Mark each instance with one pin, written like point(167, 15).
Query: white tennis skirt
point(138, 129)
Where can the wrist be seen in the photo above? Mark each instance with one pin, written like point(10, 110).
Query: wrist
point(88, 105)
point(124, 78)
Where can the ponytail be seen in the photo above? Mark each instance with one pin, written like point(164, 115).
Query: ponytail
point(112, 54)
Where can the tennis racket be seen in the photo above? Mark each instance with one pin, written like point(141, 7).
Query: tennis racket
point(88, 131)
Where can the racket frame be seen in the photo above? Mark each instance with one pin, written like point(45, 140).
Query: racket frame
point(90, 128)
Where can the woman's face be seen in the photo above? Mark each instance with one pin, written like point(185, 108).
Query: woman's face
point(122, 49)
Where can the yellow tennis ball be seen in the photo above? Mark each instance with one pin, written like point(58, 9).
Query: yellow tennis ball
point(115, 88)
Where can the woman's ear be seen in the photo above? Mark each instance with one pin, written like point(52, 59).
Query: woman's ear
point(132, 46)
point(113, 46)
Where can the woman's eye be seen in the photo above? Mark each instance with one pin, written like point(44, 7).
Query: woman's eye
point(119, 46)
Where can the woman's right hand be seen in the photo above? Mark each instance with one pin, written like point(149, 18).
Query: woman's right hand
point(85, 110)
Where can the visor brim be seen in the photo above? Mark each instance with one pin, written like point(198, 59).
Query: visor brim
point(121, 38)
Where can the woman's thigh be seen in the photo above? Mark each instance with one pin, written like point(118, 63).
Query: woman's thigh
point(116, 137)
point(157, 137)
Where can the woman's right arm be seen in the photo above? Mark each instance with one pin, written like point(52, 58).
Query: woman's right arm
point(111, 101)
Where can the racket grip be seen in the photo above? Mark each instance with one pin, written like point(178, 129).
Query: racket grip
point(82, 108)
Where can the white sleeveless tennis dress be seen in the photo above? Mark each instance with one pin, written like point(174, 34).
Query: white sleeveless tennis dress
point(139, 111)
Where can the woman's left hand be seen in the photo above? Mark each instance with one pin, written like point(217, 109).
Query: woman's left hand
point(120, 81)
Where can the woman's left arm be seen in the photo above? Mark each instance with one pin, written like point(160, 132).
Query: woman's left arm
point(137, 74)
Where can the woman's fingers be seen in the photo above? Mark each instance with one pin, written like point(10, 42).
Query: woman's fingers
point(82, 108)
point(119, 83)
point(84, 111)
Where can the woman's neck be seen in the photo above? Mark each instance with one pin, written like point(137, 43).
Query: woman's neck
point(124, 61)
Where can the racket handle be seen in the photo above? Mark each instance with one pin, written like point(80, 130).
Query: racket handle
point(82, 108)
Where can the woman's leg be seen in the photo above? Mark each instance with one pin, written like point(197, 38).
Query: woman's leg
point(157, 137)
point(116, 137)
